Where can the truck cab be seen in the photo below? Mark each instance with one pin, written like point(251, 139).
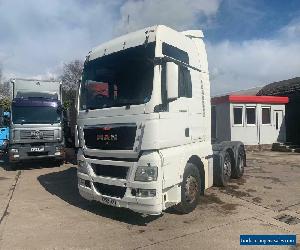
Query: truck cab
point(36, 121)
point(144, 121)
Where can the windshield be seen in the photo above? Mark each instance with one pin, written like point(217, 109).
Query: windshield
point(120, 79)
point(36, 115)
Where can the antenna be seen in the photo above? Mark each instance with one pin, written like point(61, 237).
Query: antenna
point(128, 20)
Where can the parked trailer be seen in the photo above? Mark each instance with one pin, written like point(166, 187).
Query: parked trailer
point(144, 124)
point(36, 121)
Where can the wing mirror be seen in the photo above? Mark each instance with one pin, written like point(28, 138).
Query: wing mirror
point(172, 80)
point(60, 109)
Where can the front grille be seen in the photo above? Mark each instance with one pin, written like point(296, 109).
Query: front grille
point(37, 135)
point(112, 191)
point(119, 172)
point(108, 137)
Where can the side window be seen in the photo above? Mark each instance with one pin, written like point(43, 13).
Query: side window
point(266, 115)
point(238, 115)
point(251, 115)
point(184, 82)
point(276, 121)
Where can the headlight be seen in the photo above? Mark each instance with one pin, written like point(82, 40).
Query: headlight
point(82, 167)
point(146, 174)
point(5, 142)
point(143, 192)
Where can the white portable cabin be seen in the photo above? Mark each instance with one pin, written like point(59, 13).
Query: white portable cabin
point(254, 120)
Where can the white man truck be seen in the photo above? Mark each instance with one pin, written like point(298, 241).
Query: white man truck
point(36, 120)
point(144, 124)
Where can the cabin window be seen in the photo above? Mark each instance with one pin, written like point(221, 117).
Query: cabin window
point(176, 53)
point(266, 115)
point(238, 115)
point(184, 82)
point(251, 115)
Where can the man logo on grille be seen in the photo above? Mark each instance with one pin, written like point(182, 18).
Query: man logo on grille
point(107, 137)
point(37, 135)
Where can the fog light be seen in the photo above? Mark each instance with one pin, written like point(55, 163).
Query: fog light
point(81, 182)
point(14, 150)
point(143, 192)
point(87, 183)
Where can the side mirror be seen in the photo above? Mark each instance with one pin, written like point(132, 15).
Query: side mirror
point(60, 109)
point(6, 121)
point(172, 80)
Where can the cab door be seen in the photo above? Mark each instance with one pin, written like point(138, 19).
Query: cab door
point(175, 122)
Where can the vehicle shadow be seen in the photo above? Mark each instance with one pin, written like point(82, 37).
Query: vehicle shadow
point(36, 164)
point(64, 185)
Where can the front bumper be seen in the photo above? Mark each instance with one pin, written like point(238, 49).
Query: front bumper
point(24, 152)
point(144, 205)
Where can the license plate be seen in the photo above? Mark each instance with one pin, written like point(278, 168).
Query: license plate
point(37, 149)
point(109, 201)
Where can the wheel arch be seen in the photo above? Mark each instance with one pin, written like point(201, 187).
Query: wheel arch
point(199, 164)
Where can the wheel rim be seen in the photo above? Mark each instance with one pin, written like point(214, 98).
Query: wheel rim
point(227, 167)
point(191, 189)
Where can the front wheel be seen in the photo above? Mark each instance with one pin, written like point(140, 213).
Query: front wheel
point(190, 189)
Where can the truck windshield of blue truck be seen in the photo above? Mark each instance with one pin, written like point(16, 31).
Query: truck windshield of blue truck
point(38, 115)
point(119, 79)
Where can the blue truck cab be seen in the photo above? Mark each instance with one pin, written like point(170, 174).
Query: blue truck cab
point(4, 131)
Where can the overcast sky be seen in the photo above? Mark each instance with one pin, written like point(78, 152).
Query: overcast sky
point(249, 42)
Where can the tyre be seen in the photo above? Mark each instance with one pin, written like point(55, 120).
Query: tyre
point(222, 169)
point(12, 166)
point(238, 169)
point(227, 167)
point(59, 162)
point(190, 189)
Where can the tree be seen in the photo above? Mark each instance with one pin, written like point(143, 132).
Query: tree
point(4, 93)
point(71, 74)
point(70, 77)
point(5, 104)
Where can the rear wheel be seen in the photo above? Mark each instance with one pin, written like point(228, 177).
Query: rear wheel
point(12, 166)
point(190, 189)
point(238, 170)
point(227, 166)
point(59, 162)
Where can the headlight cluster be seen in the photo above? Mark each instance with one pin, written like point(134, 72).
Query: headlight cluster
point(146, 173)
point(82, 167)
point(143, 192)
